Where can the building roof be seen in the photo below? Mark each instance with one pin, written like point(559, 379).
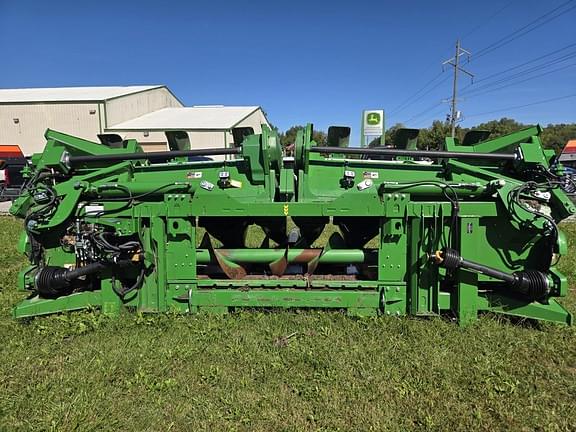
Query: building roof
point(68, 94)
point(188, 118)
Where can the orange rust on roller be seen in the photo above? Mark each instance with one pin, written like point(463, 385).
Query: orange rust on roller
point(307, 255)
point(279, 266)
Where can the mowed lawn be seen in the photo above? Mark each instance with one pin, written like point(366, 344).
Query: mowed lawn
point(280, 371)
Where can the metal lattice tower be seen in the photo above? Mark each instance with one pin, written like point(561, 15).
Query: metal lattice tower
point(455, 63)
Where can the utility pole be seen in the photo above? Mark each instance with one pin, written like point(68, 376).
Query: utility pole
point(455, 63)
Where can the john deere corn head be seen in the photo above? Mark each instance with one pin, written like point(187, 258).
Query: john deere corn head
point(381, 230)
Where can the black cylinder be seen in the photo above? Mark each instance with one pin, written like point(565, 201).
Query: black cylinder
point(432, 154)
point(77, 160)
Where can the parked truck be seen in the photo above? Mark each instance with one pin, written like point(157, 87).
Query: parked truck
point(12, 162)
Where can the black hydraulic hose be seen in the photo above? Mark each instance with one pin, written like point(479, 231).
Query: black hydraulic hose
point(432, 154)
point(77, 160)
point(125, 290)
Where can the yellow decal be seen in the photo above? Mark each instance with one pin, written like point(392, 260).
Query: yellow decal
point(285, 209)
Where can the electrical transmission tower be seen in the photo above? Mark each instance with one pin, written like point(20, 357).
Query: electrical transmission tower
point(455, 63)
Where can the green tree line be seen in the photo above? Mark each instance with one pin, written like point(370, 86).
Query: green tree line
point(553, 136)
point(289, 137)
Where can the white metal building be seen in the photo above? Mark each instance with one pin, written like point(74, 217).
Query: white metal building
point(140, 112)
point(207, 126)
point(25, 114)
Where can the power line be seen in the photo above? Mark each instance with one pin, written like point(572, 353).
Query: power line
point(423, 112)
point(418, 95)
point(487, 20)
point(529, 70)
point(494, 111)
point(471, 95)
point(428, 91)
point(522, 74)
point(523, 106)
point(521, 65)
point(455, 63)
point(431, 118)
point(531, 26)
point(426, 111)
point(407, 101)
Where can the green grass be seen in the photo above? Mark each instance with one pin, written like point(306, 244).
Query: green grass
point(280, 371)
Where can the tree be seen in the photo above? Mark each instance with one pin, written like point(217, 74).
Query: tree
point(556, 136)
point(289, 137)
point(390, 134)
point(319, 137)
point(433, 138)
point(500, 127)
point(553, 136)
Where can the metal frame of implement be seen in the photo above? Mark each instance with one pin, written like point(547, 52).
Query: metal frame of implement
point(464, 230)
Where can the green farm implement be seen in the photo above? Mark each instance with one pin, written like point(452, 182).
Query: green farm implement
point(387, 230)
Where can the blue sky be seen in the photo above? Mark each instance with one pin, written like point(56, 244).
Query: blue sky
point(320, 62)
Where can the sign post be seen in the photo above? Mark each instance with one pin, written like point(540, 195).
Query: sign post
point(372, 126)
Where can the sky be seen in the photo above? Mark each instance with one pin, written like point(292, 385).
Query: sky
point(305, 61)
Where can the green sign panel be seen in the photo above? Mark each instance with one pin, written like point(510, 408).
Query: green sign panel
point(373, 118)
point(373, 123)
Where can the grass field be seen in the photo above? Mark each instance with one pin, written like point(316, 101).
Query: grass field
point(280, 371)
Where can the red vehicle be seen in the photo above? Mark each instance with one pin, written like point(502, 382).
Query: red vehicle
point(12, 161)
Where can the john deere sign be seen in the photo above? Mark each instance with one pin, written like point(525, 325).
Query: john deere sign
point(373, 118)
point(374, 122)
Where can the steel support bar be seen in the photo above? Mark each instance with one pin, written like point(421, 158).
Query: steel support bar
point(414, 153)
point(286, 298)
